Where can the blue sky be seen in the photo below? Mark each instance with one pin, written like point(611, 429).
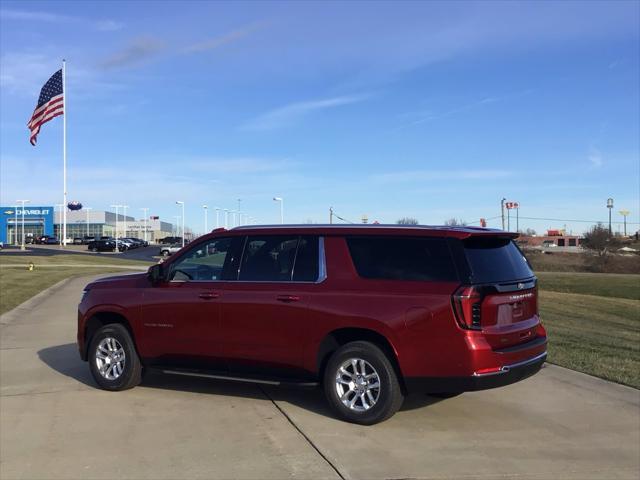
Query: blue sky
point(423, 109)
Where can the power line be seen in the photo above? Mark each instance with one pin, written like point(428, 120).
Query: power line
point(575, 220)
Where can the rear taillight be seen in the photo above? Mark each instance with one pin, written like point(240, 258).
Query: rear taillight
point(467, 306)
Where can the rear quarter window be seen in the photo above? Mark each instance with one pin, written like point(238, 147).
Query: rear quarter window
point(402, 258)
point(495, 260)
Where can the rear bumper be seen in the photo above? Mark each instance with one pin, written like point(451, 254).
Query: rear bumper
point(504, 376)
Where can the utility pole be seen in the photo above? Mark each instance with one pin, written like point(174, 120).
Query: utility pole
point(502, 211)
point(330, 215)
point(609, 206)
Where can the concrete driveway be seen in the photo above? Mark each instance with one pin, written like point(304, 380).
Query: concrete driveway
point(56, 424)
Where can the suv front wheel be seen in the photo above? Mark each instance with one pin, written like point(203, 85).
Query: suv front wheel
point(361, 384)
point(113, 359)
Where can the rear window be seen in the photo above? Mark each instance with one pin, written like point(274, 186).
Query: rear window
point(402, 258)
point(494, 260)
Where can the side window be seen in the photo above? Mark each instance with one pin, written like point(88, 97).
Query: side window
point(307, 260)
point(268, 258)
point(402, 258)
point(204, 262)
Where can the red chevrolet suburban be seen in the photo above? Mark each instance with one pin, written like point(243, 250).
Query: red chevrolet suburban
point(371, 313)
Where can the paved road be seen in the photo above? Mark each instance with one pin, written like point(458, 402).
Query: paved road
point(56, 424)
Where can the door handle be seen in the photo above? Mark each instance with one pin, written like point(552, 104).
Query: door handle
point(288, 298)
point(209, 295)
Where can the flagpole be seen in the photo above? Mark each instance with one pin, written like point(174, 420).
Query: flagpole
point(64, 152)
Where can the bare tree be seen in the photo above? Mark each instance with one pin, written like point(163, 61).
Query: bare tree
point(454, 222)
point(408, 221)
point(530, 232)
point(600, 242)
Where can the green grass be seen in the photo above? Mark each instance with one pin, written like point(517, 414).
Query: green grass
point(593, 321)
point(68, 259)
point(600, 284)
point(19, 284)
point(594, 334)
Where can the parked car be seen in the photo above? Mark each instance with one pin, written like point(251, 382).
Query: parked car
point(88, 239)
point(370, 313)
point(102, 246)
point(168, 250)
point(170, 240)
point(77, 241)
point(48, 240)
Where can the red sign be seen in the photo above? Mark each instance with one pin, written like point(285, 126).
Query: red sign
point(483, 223)
point(512, 205)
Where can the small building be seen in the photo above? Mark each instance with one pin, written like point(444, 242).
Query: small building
point(544, 241)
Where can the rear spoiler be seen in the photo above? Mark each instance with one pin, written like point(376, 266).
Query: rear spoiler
point(486, 232)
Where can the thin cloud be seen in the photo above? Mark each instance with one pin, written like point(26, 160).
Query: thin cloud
point(106, 25)
point(138, 51)
point(221, 40)
point(595, 158)
point(289, 114)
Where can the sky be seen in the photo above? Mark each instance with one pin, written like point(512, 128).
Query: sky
point(432, 110)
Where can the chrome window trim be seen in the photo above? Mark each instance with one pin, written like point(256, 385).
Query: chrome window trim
point(322, 271)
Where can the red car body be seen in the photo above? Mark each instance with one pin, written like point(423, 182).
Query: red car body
point(288, 329)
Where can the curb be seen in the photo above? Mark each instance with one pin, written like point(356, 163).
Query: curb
point(6, 318)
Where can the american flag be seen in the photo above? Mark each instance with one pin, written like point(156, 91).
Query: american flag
point(50, 105)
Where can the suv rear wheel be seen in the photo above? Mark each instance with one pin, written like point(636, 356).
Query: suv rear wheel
point(113, 359)
point(361, 384)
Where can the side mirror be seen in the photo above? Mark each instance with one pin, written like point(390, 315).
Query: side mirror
point(155, 273)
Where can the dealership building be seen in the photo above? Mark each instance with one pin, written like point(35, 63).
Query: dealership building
point(99, 223)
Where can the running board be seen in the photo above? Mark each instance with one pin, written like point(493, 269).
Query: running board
point(261, 381)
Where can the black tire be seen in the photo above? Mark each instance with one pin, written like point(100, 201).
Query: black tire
point(132, 369)
point(390, 395)
point(94, 249)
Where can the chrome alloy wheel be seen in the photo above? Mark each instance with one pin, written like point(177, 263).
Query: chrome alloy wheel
point(357, 384)
point(110, 358)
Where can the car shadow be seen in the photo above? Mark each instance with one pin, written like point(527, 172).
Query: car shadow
point(65, 360)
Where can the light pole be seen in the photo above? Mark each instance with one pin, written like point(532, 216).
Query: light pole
point(217, 217)
point(179, 202)
point(116, 227)
point(609, 206)
point(502, 211)
point(281, 200)
point(87, 210)
point(144, 211)
point(206, 215)
point(226, 218)
point(61, 205)
point(22, 247)
point(624, 214)
point(124, 219)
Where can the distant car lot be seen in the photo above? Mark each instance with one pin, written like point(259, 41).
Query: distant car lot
point(149, 253)
point(558, 424)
